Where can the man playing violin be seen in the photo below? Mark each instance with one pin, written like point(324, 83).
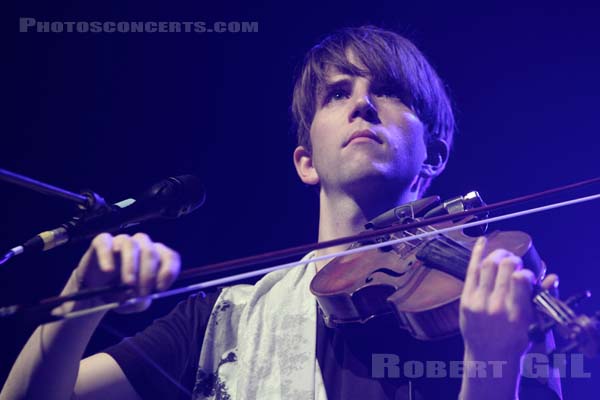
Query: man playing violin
point(374, 126)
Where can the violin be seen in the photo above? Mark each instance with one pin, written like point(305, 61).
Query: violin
point(420, 281)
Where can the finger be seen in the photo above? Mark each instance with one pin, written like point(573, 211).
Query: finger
point(129, 251)
point(506, 268)
point(550, 282)
point(473, 270)
point(97, 264)
point(521, 289)
point(170, 265)
point(489, 270)
point(148, 263)
point(102, 247)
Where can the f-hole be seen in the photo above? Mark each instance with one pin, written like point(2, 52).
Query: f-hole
point(386, 271)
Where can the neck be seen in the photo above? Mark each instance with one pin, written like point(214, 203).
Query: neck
point(343, 215)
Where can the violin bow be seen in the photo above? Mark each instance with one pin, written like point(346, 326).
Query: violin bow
point(42, 310)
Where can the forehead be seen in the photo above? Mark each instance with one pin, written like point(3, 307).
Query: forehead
point(350, 66)
point(333, 74)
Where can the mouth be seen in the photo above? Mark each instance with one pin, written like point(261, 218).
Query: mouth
point(363, 135)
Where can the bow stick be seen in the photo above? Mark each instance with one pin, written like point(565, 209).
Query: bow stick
point(43, 308)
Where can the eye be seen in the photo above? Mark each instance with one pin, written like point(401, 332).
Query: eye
point(388, 91)
point(336, 95)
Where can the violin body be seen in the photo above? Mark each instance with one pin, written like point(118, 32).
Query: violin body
point(419, 281)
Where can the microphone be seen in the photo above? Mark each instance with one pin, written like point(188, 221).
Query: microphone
point(168, 199)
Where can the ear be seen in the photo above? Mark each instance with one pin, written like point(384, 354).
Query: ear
point(304, 166)
point(437, 157)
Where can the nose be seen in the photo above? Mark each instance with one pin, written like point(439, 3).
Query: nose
point(365, 109)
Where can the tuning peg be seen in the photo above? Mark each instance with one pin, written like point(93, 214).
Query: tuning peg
point(575, 299)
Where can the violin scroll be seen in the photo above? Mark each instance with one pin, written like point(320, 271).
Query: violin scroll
point(580, 331)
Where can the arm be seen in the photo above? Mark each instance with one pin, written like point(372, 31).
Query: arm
point(100, 377)
point(161, 361)
point(49, 364)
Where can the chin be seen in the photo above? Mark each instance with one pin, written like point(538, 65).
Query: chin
point(370, 179)
point(365, 180)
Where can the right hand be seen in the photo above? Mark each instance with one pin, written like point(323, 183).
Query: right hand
point(136, 261)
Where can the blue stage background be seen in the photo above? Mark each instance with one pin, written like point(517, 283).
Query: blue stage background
point(117, 112)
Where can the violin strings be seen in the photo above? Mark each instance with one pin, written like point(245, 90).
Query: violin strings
point(444, 240)
point(558, 309)
point(444, 245)
point(449, 243)
point(552, 311)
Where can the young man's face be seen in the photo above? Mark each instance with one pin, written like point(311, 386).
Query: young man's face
point(362, 134)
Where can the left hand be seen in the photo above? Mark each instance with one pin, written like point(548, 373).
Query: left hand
point(495, 313)
point(495, 307)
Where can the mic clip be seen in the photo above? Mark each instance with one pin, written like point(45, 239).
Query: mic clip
point(94, 204)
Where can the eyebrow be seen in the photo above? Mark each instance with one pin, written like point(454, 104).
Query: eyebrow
point(336, 82)
point(331, 84)
point(335, 78)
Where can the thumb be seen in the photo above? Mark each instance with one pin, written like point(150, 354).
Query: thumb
point(134, 305)
point(550, 283)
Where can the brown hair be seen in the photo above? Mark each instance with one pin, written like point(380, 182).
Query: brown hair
point(387, 57)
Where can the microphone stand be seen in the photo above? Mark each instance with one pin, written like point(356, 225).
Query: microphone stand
point(88, 202)
point(44, 188)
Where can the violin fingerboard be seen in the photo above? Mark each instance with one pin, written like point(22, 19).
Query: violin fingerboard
point(445, 255)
